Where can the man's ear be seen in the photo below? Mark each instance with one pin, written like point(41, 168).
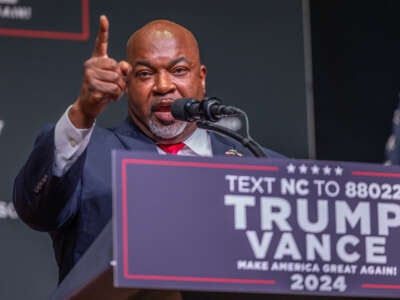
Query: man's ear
point(203, 75)
point(128, 79)
point(126, 69)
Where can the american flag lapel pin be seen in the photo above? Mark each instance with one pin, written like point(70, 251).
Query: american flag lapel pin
point(233, 152)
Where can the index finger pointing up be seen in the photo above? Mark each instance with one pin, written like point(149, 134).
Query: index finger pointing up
point(100, 47)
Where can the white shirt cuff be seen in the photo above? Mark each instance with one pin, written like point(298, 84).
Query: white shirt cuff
point(70, 142)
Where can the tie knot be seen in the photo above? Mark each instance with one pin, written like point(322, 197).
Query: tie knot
point(172, 148)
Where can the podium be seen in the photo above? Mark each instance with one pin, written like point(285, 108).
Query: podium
point(92, 279)
point(92, 276)
point(228, 228)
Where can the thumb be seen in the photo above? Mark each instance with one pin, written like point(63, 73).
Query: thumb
point(125, 67)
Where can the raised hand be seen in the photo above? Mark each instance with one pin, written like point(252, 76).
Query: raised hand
point(103, 81)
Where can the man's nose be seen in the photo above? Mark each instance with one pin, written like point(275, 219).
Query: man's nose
point(163, 83)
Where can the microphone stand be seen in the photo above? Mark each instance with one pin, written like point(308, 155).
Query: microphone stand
point(247, 142)
point(210, 110)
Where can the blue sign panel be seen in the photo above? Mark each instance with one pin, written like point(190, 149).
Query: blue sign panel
point(256, 225)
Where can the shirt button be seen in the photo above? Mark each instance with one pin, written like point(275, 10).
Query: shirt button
point(72, 142)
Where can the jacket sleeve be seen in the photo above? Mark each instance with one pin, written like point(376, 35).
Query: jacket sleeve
point(42, 200)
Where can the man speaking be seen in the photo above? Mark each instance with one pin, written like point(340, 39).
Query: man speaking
point(65, 186)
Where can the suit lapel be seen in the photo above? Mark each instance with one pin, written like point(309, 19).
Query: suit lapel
point(227, 147)
point(133, 139)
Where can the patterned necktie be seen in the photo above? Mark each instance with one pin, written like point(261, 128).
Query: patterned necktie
point(172, 148)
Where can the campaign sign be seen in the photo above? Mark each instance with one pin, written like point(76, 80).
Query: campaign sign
point(256, 225)
point(46, 19)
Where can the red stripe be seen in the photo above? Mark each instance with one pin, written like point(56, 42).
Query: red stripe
point(380, 286)
point(198, 164)
point(202, 279)
point(124, 220)
point(127, 161)
point(85, 19)
point(375, 174)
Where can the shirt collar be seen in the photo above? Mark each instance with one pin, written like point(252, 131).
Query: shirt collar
point(199, 142)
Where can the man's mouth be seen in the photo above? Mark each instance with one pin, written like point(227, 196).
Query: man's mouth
point(162, 111)
point(162, 107)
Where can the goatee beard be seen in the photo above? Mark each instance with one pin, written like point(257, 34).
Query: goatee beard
point(167, 131)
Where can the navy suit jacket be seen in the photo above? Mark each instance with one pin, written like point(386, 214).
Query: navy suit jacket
point(74, 208)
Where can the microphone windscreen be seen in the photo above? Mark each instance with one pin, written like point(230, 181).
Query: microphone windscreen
point(178, 108)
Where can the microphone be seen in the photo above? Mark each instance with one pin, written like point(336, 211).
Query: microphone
point(192, 110)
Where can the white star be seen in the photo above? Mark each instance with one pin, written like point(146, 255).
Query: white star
point(327, 170)
point(303, 169)
point(315, 169)
point(291, 168)
point(338, 171)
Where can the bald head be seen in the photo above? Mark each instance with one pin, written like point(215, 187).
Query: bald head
point(159, 31)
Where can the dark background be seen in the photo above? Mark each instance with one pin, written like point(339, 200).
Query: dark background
point(254, 52)
point(356, 46)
